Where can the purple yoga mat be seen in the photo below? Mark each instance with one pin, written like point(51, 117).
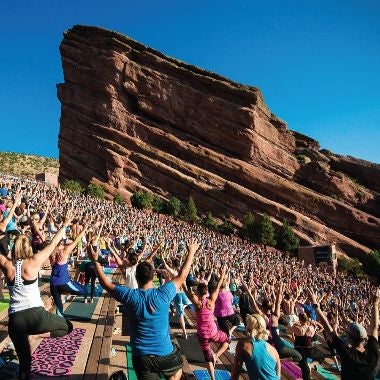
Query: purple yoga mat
point(56, 356)
point(291, 369)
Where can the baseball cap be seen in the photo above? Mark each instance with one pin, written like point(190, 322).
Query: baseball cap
point(356, 331)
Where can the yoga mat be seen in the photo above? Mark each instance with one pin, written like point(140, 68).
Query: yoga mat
point(291, 369)
point(5, 303)
point(202, 374)
point(80, 311)
point(131, 371)
point(325, 373)
point(56, 356)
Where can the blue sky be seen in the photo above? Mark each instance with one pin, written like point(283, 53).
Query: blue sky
point(317, 62)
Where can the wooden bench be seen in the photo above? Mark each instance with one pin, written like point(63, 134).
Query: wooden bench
point(98, 360)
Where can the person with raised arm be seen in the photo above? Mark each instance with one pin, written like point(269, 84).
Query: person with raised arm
point(207, 329)
point(148, 308)
point(360, 356)
point(60, 281)
point(27, 315)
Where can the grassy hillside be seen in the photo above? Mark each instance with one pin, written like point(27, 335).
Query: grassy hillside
point(27, 165)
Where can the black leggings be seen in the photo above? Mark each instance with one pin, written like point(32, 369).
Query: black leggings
point(90, 276)
point(32, 322)
point(308, 352)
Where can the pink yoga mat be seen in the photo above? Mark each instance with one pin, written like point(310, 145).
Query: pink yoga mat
point(56, 356)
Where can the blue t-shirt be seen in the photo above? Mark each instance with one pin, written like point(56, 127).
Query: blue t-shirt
point(149, 318)
point(310, 309)
point(3, 192)
point(11, 226)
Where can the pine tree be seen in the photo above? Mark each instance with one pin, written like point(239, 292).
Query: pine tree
point(249, 227)
point(141, 200)
point(210, 222)
point(174, 206)
point(286, 238)
point(265, 233)
point(189, 211)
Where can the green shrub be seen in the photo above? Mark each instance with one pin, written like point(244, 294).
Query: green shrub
point(354, 266)
point(301, 158)
point(72, 185)
point(158, 204)
point(141, 200)
point(226, 228)
point(264, 231)
point(371, 264)
point(210, 222)
point(118, 199)
point(174, 206)
point(189, 210)
point(96, 191)
point(248, 230)
point(286, 239)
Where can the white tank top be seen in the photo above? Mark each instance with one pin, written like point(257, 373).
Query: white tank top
point(22, 296)
point(130, 277)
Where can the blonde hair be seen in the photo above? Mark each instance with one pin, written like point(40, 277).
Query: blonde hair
point(257, 327)
point(22, 248)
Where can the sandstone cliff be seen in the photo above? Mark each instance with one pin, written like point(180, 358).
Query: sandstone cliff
point(133, 118)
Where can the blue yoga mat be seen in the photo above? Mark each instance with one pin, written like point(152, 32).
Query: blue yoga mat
point(325, 373)
point(202, 374)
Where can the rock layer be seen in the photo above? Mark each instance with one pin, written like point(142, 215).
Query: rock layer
point(133, 118)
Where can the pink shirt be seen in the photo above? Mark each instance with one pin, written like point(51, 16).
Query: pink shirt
point(223, 304)
point(206, 326)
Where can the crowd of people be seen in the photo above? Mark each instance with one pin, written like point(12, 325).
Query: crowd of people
point(227, 280)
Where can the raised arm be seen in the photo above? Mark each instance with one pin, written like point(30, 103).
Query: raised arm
point(107, 285)
point(40, 257)
point(5, 221)
point(152, 254)
point(374, 326)
point(321, 315)
point(255, 307)
point(41, 222)
point(185, 269)
point(172, 272)
point(72, 245)
point(193, 297)
point(277, 308)
point(214, 294)
point(120, 263)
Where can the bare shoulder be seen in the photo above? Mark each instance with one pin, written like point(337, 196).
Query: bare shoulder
point(272, 351)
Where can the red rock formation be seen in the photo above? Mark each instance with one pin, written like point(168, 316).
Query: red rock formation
point(133, 119)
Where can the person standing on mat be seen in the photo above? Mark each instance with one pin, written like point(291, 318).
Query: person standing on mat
point(207, 330)
point(27, 315)
point(153, 354)
point(60, 281)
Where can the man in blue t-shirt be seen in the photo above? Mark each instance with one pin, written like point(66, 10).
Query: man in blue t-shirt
point(153, 352)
